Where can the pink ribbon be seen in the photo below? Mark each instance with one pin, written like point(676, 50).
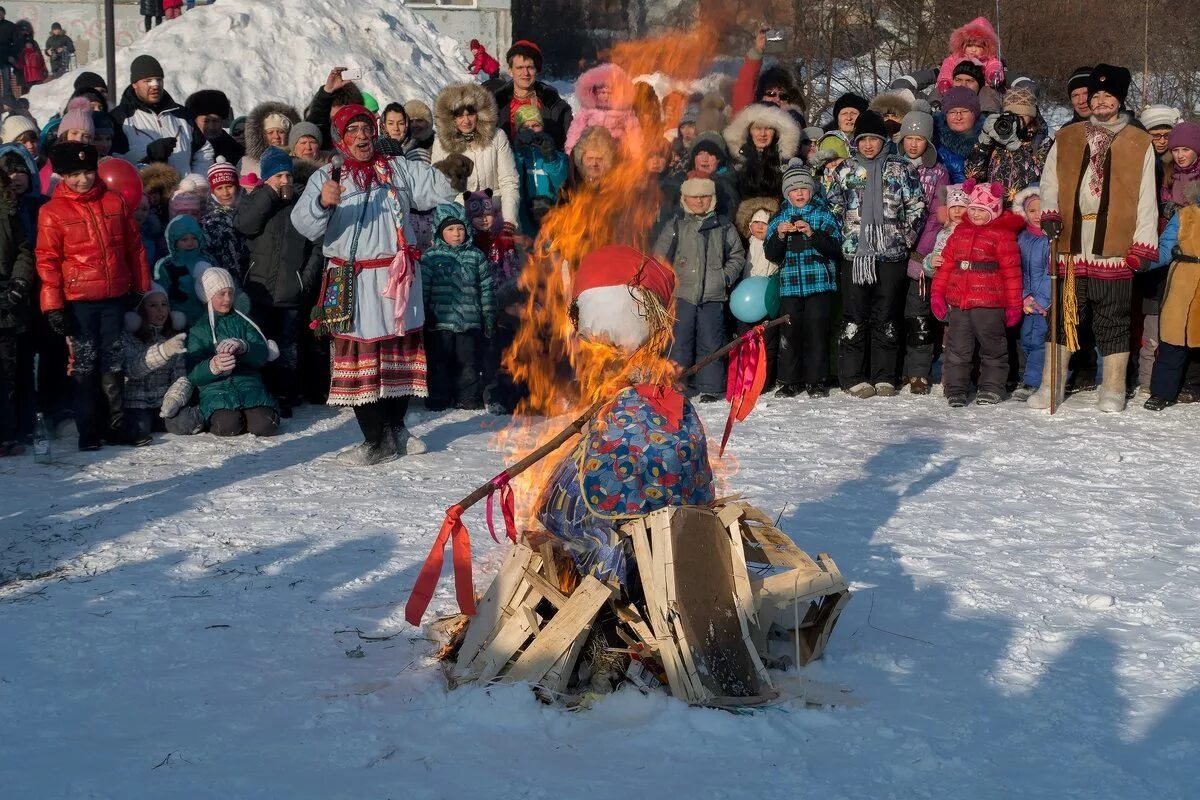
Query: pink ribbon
point(745, 379)
point(507, 507)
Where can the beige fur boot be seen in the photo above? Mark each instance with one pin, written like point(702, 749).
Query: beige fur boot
point(1041, 398)
point(1112, 388)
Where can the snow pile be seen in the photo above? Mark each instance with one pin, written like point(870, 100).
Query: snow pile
point(256, 50)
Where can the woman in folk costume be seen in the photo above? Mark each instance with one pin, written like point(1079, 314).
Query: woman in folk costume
point(371, 298)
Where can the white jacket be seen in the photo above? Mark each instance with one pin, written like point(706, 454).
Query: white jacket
point(142, 127)
point(495, 169)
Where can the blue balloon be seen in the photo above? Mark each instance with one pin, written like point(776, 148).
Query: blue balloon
point(755, 299)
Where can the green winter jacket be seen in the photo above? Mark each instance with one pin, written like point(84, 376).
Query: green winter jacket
point(243, 388)
point(457, 281)
point(707, 253)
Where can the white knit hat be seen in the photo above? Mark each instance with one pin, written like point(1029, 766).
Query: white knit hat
point(213, 280)
point(277, 122)
point(16, 125)
point(1159, 116)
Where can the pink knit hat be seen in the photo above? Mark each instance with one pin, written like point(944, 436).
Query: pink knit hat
point(956, 195)
point(985, 196)
point(77, 118)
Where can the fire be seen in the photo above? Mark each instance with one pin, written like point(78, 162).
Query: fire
point(563, 373)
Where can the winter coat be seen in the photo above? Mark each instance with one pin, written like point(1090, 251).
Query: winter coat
point(500, 250)
point(993, 70)
point(993, 279)
point(808, 263)
point(16, 268)
point(284, 266)
point(32, 64)
point(1035, 266)
point(541, 179)
point(953, 148)
point(30, 203)
point(169, 4)
point(457, 281)
point(153, 240)
point(243, 387)
point(150, 8)
point(148, 371)
point(617, 116)
point(489, 150)
point(256, 134)
point(903, 206)
point(143, 124)
point(707, 254)
point(484, 62)
point(1016, 169)
point(223, 241)
point(175, 273)
point(8, 39)
point(556, 112)
point(760, 173)
point(88, 248)
point(934, 177)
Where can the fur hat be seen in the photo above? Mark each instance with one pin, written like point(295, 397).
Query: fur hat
point(302, 129)
point(209, 101)
point(977, 30)
point(161, 179)
point(960, 97)
point(988, 197)
point(77, 118)
point(751, 209)
point(415, 109)
point(917, 123)
point(787, 132)
point(68, 157)
point(274, 161)
point(461, 95)
point(594, 137)
point(870, 124)
point(1022, 197)
point(524, 47)
point(957, 195)
point(221, 173)
point(798, 175)
point(891, 104)
point(15, 126)
point(1021, 100)
point(698, 184)
point(1153, 116)
point(1107, 78)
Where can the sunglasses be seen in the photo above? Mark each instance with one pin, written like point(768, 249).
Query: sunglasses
point(464, 111)
point(776, 94)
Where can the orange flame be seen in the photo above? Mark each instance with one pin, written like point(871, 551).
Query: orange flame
point(563, 373)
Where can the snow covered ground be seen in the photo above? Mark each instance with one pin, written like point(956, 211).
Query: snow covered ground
point(1024, 624)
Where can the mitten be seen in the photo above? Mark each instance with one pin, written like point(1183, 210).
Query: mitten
point(160, 150)
point(14, 296)
point(546, 145)
point(174, 346)
point(937, 304)
point(234, 347)
point(176, 398)
point(1012, 317)
point(58, 322)
point(222, 363)
point(1052, 226)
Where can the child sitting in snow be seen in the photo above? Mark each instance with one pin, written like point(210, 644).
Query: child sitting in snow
point(542, 168)
point(157, 390)
point(977, 40)
point(226, 352)
point(605, 96)
point(460, 311)
point(1035, 283)
point(497, 245)
point(977, 292)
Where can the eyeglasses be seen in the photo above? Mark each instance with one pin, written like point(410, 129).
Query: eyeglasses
point(776, 94)
point(959, 112)
point(1161, 137)
point(360, 128)
point(464, 111)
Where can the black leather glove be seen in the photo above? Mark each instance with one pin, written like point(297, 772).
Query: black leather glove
point(1052, 227)
point(58, 322)
point(546, 145)
point(160, 150)
point(14, 296)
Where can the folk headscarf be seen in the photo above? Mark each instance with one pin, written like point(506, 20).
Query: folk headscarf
point(362, 173)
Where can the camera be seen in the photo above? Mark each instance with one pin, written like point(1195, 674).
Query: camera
point(1008, 128)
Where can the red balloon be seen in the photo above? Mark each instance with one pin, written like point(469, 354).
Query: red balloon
point(122, 177)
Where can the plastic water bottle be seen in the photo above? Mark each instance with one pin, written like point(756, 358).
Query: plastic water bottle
point(41, 441)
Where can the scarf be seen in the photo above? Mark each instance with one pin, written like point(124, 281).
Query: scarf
point(1181, 177)
point(1099, 139)
point(870, 211)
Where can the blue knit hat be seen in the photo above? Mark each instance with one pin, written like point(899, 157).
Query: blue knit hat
point(273, 162)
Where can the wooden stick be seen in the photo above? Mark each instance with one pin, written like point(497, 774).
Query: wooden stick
point(1054, 312)
point(483, 490)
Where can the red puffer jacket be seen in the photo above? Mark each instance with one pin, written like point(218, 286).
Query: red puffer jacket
point(993, 279)
point(88, 248)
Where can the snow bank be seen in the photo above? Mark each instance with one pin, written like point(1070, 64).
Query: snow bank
point(256, 50)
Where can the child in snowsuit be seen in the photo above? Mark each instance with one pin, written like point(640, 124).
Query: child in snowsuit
point(1035, 282)
point(224, 243)
point(542, 167)
point(806, 240)
point(157, 390)
point(460, 311)
point(186, 250)
point(708, 257)
point(17, 281)
point(977, 292)
point(89, 257)
point(976, 40)
point(483, 61)
point(605, 96)
point(226, 353)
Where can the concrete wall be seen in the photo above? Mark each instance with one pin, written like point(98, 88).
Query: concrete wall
point(490, 22)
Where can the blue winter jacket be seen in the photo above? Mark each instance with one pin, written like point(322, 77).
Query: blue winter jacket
point(953, 149)
point(1035, 267)
point(541, 178)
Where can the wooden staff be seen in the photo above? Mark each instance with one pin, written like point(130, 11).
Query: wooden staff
point(1054, 312)
point(484, 489)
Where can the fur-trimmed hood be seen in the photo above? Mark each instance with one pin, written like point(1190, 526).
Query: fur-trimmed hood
point(751, 206)
point(893, 103)
point(160, 178)
point(256, 136)
point(978, 28)
point(609, 75)
point(457, 95)
point(787, 132)
point(596, 136)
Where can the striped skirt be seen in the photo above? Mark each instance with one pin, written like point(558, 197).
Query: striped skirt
point(364, 372)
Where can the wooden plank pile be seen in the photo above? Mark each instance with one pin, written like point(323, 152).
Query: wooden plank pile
point(696, 619)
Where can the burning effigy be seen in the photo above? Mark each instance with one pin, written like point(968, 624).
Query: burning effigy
point(626, 563)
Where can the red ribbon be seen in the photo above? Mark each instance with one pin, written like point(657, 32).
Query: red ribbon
point(507, 507)
point(454, 531)
point(746, 377)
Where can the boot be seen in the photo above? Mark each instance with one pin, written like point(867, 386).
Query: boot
point(84, 400)
point(1111, 397)
point(112, 388)
point(1041, 398)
